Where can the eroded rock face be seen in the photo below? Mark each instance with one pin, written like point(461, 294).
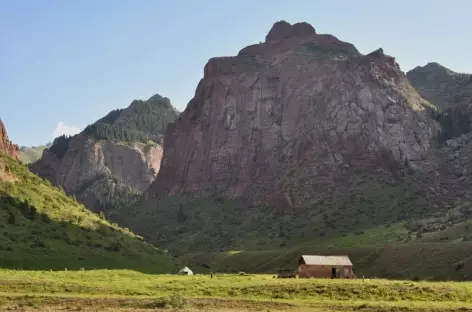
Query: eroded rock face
point(283, 30)
point(6, 146)
point(89, 168)
point(292, 113)
point(112, 161)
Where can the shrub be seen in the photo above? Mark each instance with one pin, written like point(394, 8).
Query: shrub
point(11, 218)
point(32, 213)
point(174, 301)
point(45, 218)
point(116, 246)
point(101, 215)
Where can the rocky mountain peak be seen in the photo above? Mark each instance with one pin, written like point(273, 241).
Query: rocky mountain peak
point(284, 30)
point(377, 53)
point(161, 100)
point(434, 65)
point(156, 97)
point(6, 146)
point(431, 68)
point(283, 42)
point(298, 103)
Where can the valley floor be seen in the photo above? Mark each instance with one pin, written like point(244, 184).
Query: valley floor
point(121, 290)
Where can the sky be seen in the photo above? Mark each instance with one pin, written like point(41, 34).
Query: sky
point(65, 64)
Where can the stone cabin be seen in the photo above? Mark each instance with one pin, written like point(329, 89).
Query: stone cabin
point(325, 267)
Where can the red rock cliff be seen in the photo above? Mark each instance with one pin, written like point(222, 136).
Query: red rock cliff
point(290, 113)
point(6, 146)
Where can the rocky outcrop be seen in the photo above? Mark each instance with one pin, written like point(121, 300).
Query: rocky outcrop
point(113, 160)
point(90, 169)
point(283, 30)
point(6, 146)
point(294, 112)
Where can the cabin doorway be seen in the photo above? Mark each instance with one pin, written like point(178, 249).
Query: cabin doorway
point(333, 273)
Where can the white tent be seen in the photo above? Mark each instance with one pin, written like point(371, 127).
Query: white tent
point(185, 271)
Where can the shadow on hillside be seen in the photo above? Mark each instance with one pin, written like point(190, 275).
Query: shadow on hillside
point(428, 261)
point(31, 240)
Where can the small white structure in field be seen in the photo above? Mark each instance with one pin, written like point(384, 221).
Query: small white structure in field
point(185, 271)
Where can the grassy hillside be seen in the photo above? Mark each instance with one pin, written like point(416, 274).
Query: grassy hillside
point(42, 228)
point(132, 291)
point(361, 218)
point(425, 261)
point(363, 211)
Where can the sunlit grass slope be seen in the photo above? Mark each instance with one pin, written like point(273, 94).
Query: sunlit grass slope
point(42, 228)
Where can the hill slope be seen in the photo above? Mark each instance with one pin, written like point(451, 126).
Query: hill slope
point(112, 161)
point(42, 228)
point(418, 261)
point(448, 90)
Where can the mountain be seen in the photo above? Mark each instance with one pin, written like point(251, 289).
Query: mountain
point(442, 86)
point(302, 145)
point(299, 102)
point(296, 140)
point(31, 154)
point(113, 160)
point(448, 90)
point(42, 228)
point(6, 146)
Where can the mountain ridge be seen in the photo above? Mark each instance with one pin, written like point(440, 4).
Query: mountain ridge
point(113, 160)
point(450, 91)
point(30, 154)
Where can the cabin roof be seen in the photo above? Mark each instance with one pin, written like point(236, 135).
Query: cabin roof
point(326, 260)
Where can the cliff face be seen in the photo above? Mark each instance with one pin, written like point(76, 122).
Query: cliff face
point(91, 169)
point(291, 113)
point(6, 146)
point(112, 161)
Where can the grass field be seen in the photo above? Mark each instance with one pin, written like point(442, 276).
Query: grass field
point(123, 290)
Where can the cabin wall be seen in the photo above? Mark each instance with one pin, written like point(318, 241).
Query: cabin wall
point(323, 271)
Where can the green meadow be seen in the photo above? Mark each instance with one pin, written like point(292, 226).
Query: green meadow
point(125, 290)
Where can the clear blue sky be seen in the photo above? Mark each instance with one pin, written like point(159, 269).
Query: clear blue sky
point(74, 61)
